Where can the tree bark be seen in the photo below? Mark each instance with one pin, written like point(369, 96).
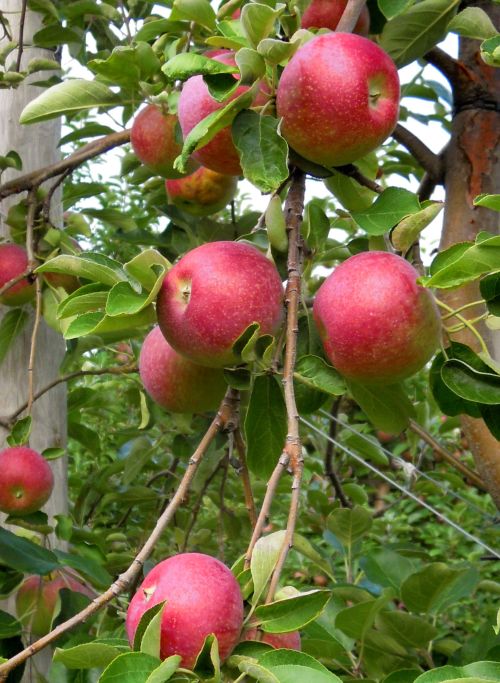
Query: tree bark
point(472, 167)
point(37, 146)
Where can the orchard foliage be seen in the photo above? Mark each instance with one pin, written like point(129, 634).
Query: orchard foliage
point(391, 574)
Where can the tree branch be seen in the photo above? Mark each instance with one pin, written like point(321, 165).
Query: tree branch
point(353, 172)
point(447, 456)
point(430, 162)
point(21, 35)
point(224, 420)
point(329, 471)
point(93, 149)
point(453, 70)
point(350, 16)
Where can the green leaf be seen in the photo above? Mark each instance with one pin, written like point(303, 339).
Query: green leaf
point(90, 266)
point(87, 655)
point(407, 629)
point(207, 663)
point(447, 400)
point(490, 51)
point(411, 34)
point(408, 230)
point(11, 160)
point(470, 384)
point(9, 626)
point(473, 22)
point(68, 97)
point(127, 66)
point(391, 8)
point(264, 557)
point(316, 373)
point(357, 620)
point(86, 566)
point(150, 641)
point(53, 453)
point(206, 129)
point(316, 226)
point(291, 614)
point(365, 445)
point(35, 65)
point(251, 65)
point(129, 667)
point(265, 425)
point(290, 666)
point(490, 201)
point(465, 262)
point(249, 666)
point(263, 152)
point(165, 671)
point(387, 568)
point(187, 64)
point(11, 326)
point(436, 587)
point(349, 524)
point(477, 672)
point(25, 556)
point(20, 432)
point(277, 51)
point(88, 298)
point(55, 35)
point(258, 21)
point(388, 209)
point(111, 328)
point(148, 617)
point(387, 407)
point(199, 11)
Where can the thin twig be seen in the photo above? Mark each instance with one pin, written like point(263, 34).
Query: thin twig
point(223, 420)
point(446, 455)
point(8, 285)
point(453, 70)
point(245, 476)
point(350, 16)
point(34, 337)
point(119, 370)
point(50, 194)
point(21, 36)
point(353, 172)
point(222, 506)
point(329, 453)
point(89, 151)
point(294, 208)
point(430, 162)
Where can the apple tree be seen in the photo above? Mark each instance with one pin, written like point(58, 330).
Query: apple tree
point(299, 390)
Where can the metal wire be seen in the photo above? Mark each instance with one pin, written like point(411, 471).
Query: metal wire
point(410, 468)
point(404, 490)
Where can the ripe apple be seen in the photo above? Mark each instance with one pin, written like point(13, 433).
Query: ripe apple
point(290, 641)
point(174, 382)
point(195, 103)
point(327, 14)
point(26, 480)
point(203, 192)
point(156, 141)
point(338, 98)
point(13, 262)
point(203, 597)
point(377, 325)
point(210, 297)
point(38, 601)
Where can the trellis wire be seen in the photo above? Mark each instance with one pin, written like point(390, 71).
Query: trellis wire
point(413, 468)
point(403, 490)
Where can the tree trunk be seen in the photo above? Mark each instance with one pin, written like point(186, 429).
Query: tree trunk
point(37, 146)
point(472, 167)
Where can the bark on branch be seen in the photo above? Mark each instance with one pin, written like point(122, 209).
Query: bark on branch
point(430, 162)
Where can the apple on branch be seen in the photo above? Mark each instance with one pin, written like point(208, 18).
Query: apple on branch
point(289, 641)
point(26, 480)
point(327, 14)
point(202, 193)
point(14, 262)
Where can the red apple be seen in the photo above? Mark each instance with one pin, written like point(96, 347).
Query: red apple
point(290, 641)
point(377, 325)
point(338, 98)
point(195, 103)
point(203, 192)
point(174, 382)
point(38, 603)
point(26, 480)
point(156, 140)
point(203, 597)
point(210, 297)
point(327, 14)
point(13, 262)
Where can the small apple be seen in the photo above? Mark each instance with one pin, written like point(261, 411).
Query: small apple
point(174, 382)
point(156, 140)
point(195, 103)
point(327, 14)
point(338, 98)
point(26, 480)
point(38, 601)
point(210, 297)
point(202, 597)
point(377, 325)
point(202, 193)
point(290, 641)
point(14, 262)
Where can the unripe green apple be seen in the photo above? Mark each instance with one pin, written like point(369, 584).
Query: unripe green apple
point(338, 98)
point(202, 193)
point(202, 597)
point(26, 480)
point(14, 262)
point(377, 324)
point(327, 14)
point(156, 140)
point(174, 382)
point(210, 297)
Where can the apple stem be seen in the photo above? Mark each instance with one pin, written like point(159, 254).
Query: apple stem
point(225, 420)
point(468, 324)
point(245, 476)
